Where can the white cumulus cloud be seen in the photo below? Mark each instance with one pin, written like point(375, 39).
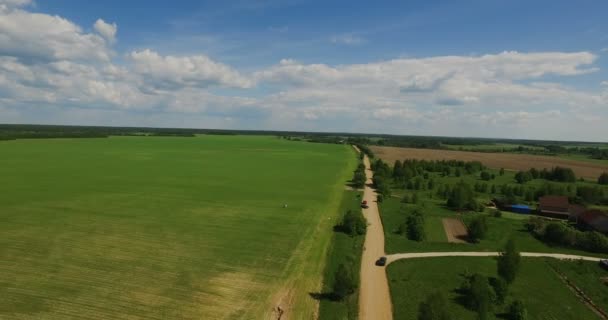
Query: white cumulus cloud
point(36, 37)
point(6, 5)
point(171, 72)
point(50, 62)
point(108, 31)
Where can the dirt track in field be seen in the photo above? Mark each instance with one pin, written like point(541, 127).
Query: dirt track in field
point(509, 161)
point(418, 255)
point(455, 230)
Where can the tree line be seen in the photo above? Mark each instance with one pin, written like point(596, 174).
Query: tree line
point(346, 278)
point(359, 177)
point(558, 174)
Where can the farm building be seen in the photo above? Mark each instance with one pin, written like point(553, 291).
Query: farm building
point(520, 208)
point(554, 206)
point(593, 220)
point(501, 204)
point(576, 211)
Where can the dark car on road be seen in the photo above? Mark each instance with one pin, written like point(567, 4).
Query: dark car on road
point(364, 204)
point(381, 262)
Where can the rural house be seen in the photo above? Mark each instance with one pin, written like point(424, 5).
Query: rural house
point(593, 220)
point(554, 206)
point(576, 211)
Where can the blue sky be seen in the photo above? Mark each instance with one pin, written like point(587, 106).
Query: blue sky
point(520, 69)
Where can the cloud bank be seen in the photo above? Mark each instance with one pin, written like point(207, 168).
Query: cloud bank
point(54, 71)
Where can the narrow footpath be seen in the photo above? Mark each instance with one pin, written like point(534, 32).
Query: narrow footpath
point(374, 295)
point(399, 256)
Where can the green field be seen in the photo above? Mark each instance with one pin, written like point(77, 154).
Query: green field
point(344, 249)
point(546, 297)
point(166, 228)
point(588, 277)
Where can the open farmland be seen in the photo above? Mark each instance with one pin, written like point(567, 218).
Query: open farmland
point(585, 169)
point(166, 228)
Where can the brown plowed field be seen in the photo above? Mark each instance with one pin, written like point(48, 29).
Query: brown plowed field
point(509, 161)
point(455, 230)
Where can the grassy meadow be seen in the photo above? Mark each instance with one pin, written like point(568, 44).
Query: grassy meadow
point(545, 295)
point(166, 228)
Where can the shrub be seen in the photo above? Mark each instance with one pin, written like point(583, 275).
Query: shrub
point(485, 176)
point(478, 295)
point(523, 177)
point(517, 311)
point(344, 282)
point(558, 233)
point(501, 289)
point(353, 223)
point(434, 307)
point(593, 241)
point(536, 225)
point(478, 228)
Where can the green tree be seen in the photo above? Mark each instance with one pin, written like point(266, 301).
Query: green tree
point(415, 226)
point(434, 307)
point(353, 223)
point(359, 179)
point(462, 197)
point(603, 179)
point(479, 295)
point(344, 282)
point(478, 228)
point(501, 289)
point(509, 262)
point(523, 177)
point(517, 311)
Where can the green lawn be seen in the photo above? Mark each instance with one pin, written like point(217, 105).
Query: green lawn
point(588, 277)
point(165, 228)
point(544, 294)
point(344, 249)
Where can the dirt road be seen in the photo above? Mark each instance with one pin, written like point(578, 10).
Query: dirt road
point(399, 256)
point(374, 296)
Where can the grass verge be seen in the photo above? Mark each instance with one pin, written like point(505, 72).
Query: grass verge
point(343, 248)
